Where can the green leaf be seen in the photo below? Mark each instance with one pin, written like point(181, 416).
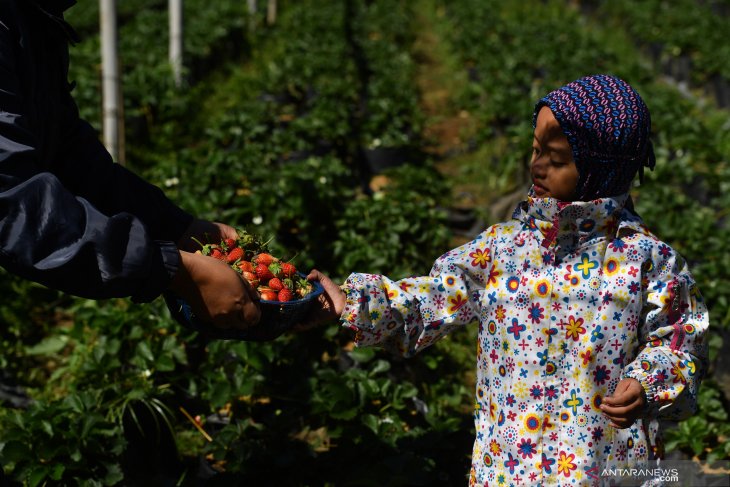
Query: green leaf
point(344, 414)
point(76, 455)
point(432, 361)
point(165, 363)
point(15, 451)
point(74, 402)
point(379, 367)
point(697, 444)
point(48, 346)
point(371, 421)
point(220, 394)
point(37, 476)
point(87, 424)
point(367, 389)
point(57, 472)
point(46, 425)
point(362, 355)
point(136, 333)
point(143, 350)
point(114, 474)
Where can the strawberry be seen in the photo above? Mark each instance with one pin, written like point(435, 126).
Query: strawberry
point(230, 243)
point(235, 254)
point(285, 295)
point(217, 254)
point(275, 284)
point(251, 278)
point(245, 266)
point(263, 272)
point(288, 269)
point(304, 289)
point(268, 294)
point(265, 259)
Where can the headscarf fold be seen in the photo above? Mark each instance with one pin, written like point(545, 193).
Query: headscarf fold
point(608, 127)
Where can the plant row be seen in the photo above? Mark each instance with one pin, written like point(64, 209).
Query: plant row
point(212, 33)
point(119, 393)
point(685, 39)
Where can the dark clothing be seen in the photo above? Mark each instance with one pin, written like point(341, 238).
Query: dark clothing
point(70, 218)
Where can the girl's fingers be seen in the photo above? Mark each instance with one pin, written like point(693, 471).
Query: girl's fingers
point(621, 411)
point(622, 416)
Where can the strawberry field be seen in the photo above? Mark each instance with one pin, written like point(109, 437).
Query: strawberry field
point(361, 135)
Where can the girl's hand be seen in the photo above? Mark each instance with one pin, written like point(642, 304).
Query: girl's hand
point(330, 305)
point(625, 405)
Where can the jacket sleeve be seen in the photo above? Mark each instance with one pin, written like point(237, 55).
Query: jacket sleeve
point(673, 357)
point(75, 230)
point(408, 315)
point(86, 169)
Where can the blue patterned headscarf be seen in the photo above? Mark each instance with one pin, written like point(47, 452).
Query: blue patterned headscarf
point(608, 127)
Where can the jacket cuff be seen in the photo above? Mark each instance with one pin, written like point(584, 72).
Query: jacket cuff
point(164, 266)
point(179, 222)
point(650, 390)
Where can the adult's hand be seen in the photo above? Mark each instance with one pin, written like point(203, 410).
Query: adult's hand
point(206, 232)
point(215, 292)
point(329, 305)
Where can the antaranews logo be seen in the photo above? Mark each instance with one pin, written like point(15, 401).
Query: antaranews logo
point(660, 474)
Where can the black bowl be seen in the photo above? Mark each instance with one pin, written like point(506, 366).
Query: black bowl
point(276, 317)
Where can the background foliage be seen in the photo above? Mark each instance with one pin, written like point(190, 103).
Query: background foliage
point(361, 135)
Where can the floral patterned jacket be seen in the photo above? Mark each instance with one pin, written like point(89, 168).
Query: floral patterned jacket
point(569, 298)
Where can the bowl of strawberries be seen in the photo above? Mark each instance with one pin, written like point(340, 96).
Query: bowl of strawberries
point(286, 294)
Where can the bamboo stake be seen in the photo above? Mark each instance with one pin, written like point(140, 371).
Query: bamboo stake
point(195, 423)
point(271, 12)
point(111, 90)
point(252, 9)
point(176, 39)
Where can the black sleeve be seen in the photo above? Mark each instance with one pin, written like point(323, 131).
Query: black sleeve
point(86, 169)
point(87, 227)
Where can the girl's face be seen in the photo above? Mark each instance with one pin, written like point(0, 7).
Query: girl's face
point(552, 168)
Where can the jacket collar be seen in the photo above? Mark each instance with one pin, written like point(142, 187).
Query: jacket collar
point(570, 225)
point(55, 7)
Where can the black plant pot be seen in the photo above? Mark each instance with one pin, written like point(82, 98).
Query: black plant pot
point(722, 91)
point(461, 218)
point(319, 149)
point(381, 158)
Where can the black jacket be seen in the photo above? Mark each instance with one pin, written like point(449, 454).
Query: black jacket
point(70, 218)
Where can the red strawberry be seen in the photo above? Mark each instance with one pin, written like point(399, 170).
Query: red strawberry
point(276, 284)
point(235, 254)
point(245, 266)
point(230, 243)
point(217, 254)
point(251, 278)
point(265, 259)
point(285, 295)
point(263, 272)
point(288, 269)
point(268, 294)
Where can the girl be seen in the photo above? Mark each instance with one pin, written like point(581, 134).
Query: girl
point(590, 327)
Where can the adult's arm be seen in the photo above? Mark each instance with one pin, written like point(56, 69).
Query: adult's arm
point(87, 170)
point(52, 235)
